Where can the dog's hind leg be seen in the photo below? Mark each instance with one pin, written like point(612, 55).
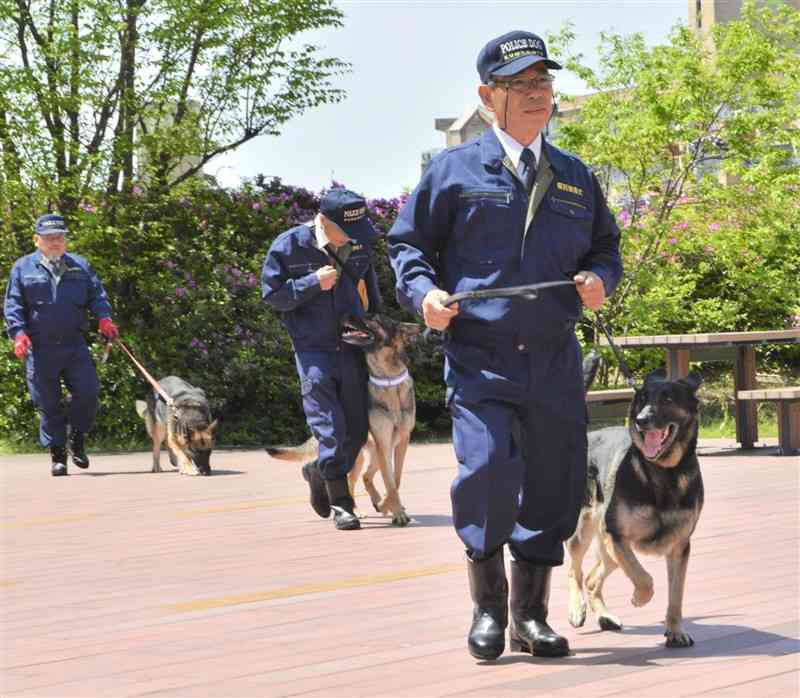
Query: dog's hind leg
point(604, 566)
point(157, 432)
point(677, 564)
point(577, 546)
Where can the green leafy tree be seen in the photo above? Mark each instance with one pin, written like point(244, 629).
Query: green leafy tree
point(698, 145)
point(94, 95)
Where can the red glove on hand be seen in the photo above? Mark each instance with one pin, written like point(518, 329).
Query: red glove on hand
point(22, 344)
point(108, 329)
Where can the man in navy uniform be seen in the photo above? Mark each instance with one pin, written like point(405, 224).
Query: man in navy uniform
point(504, 210)
point(46, 303)
point(314, 275)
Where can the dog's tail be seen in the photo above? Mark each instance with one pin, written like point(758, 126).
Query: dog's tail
point(591, 362)
point(305, 451)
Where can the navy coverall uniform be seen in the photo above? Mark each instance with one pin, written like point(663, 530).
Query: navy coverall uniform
point(513, 367)
point(54, 316)
point(333, 374)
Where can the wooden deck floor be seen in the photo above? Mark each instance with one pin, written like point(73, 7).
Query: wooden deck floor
point(117, 582)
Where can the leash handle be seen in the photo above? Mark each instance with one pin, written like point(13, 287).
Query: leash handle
point(626, 372)
point(150, 378)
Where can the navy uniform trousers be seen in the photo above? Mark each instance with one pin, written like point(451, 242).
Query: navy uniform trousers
point(46, 365)
point(334, 389)
point(519, 434)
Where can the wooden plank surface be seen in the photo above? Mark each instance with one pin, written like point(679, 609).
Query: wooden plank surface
point(615, 395)
point(118, 582)
point(788, 393)
point(716, 338)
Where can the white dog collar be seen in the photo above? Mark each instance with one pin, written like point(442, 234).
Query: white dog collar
point(389, 382)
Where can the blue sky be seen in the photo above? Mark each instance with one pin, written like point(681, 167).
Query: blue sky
point(411, 63)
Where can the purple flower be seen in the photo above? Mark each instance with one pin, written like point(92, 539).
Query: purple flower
point(256, 206)
point(714, 227)
point(625, 218)
point(170, 264)
point(180, 291)
point(195, 342)
point(137, 190)
point(673, 241)
point(87, 207)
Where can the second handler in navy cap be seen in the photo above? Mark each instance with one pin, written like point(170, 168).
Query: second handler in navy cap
point(315, 274)
point(47, 299)
point(505, 210)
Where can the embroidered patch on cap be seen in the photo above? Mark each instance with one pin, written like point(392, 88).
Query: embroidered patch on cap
point(526, 46)
point(351, 215)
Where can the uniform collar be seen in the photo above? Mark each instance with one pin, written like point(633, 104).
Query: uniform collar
point(492, 152)
point(514, 148)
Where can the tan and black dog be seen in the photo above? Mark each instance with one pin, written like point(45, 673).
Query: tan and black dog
point(392, 410)
point(186, 425)
point(645, 494)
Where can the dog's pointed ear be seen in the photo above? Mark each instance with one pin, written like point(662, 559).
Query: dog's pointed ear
point(693, 380)
point(213, 425)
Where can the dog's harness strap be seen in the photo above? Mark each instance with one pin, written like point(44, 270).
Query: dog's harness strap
point(150, 378)
point(390, 382)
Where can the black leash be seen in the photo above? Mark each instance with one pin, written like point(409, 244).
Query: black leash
point(626, 372)
point(531, 292)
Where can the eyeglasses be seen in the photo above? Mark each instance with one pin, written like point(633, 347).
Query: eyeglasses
point(526, 85)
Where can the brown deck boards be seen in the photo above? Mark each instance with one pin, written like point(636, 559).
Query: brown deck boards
point(117, 582)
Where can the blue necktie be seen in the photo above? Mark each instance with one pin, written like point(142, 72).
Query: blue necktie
point(528, 159)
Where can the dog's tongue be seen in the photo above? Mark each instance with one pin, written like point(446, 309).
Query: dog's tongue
point(652, 441)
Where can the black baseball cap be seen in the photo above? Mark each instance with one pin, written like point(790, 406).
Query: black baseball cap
point(349, 211)
point(509, 54)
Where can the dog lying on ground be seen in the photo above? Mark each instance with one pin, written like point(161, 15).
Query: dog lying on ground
point(186, 425)
point(644, 493)
point(392, 411)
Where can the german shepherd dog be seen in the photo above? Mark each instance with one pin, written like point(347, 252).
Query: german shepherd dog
point(186, 425)
point(392, 410)
point(644, 492)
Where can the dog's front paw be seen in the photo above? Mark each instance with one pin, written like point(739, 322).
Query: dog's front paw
point(677, 638)
point(401, 518)
point(642, 594)
point(609, 622)
point(577, 614)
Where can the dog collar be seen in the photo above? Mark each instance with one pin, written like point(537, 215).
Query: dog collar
point(389, 382)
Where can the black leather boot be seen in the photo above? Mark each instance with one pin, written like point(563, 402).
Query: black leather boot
point(319, 495)
point(342, 505)
point(489, 590)
point(77, 449)
point(58, 458)
point(530, 593)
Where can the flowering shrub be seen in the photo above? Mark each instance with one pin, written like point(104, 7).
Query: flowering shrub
point(183, 276)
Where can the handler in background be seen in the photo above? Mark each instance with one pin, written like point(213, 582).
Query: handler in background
point(303, 278)
point(504, 210)
point(47, 297)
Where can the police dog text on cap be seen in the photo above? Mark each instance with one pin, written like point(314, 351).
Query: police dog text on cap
point(349, 211)
point(511, 53)
point(51, 224)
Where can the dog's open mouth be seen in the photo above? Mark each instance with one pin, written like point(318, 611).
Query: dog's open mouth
point(356, 332)
point(656, 441)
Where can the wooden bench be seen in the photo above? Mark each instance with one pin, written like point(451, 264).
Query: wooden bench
point(608, 406)
point(788, 402)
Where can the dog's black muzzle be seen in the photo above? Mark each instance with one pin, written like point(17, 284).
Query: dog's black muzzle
point(202, 460)
point(356, 332)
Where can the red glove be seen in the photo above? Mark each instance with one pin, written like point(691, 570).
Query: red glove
point(22, 344)
point(108, 329)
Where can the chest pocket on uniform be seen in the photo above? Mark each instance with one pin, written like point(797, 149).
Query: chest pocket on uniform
point(74, 286)
point(569, 207)
point(573, 229)
point(297, 271)
point(485, 220)
point(37, 289)
point(358, 262)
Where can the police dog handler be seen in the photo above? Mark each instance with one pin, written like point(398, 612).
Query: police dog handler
point(504, 210)
point(316, 274)
point(47, 299)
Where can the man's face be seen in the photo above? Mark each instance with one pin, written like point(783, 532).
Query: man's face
point(522, 113)
point(51, 245)
point(333, 232)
